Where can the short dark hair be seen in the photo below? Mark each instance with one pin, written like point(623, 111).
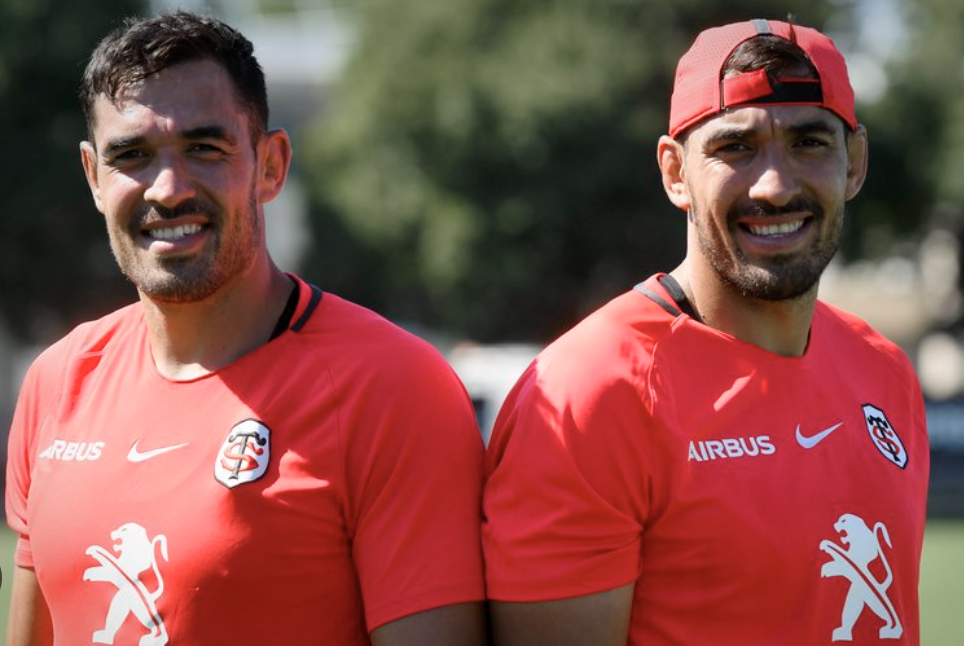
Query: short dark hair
point(141, 47)
point(778, 56)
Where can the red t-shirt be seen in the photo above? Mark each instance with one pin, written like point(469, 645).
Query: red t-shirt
point(324, 484)
point(750, 498)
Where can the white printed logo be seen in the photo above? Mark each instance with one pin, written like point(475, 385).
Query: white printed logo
point(852, 563)
point(244, 454)
point(65, 451)
point(136, 455)
point(737, 447)
point(810, 441)
point(135, 555)
point(884, 436)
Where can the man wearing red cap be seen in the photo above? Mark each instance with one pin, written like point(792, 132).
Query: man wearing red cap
point(717, 457)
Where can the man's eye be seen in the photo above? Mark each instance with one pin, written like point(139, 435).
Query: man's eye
point(732, 147)
point(126, 157)
point(204, 148)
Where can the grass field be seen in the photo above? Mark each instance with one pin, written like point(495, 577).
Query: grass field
point(942, 583)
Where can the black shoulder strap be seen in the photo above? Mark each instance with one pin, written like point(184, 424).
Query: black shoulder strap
point(680, 304)
point(670, 285)
point(656, 298)
point(316, 295)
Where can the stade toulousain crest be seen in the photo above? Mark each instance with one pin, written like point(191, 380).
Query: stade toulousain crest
point(884, 436)
point(244, 455)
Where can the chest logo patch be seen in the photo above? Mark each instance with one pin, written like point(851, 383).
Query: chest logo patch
point(884, 436)
point(134, 553)
point(244, 454)
point(853, 563)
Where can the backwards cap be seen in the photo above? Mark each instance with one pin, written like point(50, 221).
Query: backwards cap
point(701, 91)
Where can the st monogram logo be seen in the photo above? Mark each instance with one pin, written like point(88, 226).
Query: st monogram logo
point(244, 454)
point(884, 436)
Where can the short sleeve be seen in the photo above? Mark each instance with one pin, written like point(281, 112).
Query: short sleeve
point(413, 464)
point(32, 408)
point(566, 495)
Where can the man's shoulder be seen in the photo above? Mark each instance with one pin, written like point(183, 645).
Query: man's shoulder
point(349, 322)
point(845, 332)
point(95, 336)
point(91, 339)
point(344, 333)
point(844, 325)
point(614, 344)
point(631, 317)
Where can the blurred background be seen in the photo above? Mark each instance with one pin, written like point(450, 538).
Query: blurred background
point(483, 173)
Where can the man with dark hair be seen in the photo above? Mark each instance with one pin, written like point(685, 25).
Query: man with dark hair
point(237, 458)
point(718, 457)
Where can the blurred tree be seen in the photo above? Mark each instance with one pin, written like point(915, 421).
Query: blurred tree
point(906, 127)
point(916, 180)
point(55, 263)
point(488, 166)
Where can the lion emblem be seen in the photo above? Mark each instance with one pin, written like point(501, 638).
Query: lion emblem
point(853, 563)
point(135, 555)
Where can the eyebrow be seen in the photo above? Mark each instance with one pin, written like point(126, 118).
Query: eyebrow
point(813, 126)
point(200, 132)
point(208, 132)
point(729, 133)
point(122, 143)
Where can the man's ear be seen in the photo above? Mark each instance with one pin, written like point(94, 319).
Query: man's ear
point(669, 154)
point(274, 154)
point(88, 157)
point(857, 160)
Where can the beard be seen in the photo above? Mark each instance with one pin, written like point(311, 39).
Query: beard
point(778, 277)
point(230, 250)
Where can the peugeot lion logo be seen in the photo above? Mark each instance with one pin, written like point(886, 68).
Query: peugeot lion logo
point(853, 563)
point(136, 554)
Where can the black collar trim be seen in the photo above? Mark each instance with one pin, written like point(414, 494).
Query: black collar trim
point(316, 295)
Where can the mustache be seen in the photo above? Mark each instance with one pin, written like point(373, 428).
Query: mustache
point(152, 212)
point(759, 208)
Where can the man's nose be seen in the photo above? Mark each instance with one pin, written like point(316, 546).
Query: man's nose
point(776, 182)
point(171, 184)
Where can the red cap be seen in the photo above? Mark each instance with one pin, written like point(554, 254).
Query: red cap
point(700, 92)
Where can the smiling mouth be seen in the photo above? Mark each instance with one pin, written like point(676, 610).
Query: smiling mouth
point(169, 234)
point(774, 230)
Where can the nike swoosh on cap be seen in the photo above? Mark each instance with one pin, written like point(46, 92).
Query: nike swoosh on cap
point(808, 442)
point(134, 455)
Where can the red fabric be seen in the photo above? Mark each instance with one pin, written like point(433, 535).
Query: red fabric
point(746, 87)
point(650, 449)
point(368, 509)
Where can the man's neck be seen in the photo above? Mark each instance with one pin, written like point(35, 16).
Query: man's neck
point(190, 340)
point(781, 327)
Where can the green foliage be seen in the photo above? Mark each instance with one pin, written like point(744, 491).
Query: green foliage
point(55, 264)
point(916, 180)
point(493, 161)
point(931, 76)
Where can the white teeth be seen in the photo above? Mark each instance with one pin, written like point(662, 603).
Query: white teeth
point(776, 229)
point(174, 233)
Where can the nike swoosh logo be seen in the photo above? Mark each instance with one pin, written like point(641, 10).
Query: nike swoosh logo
point(813, 440)
point(139, 456)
